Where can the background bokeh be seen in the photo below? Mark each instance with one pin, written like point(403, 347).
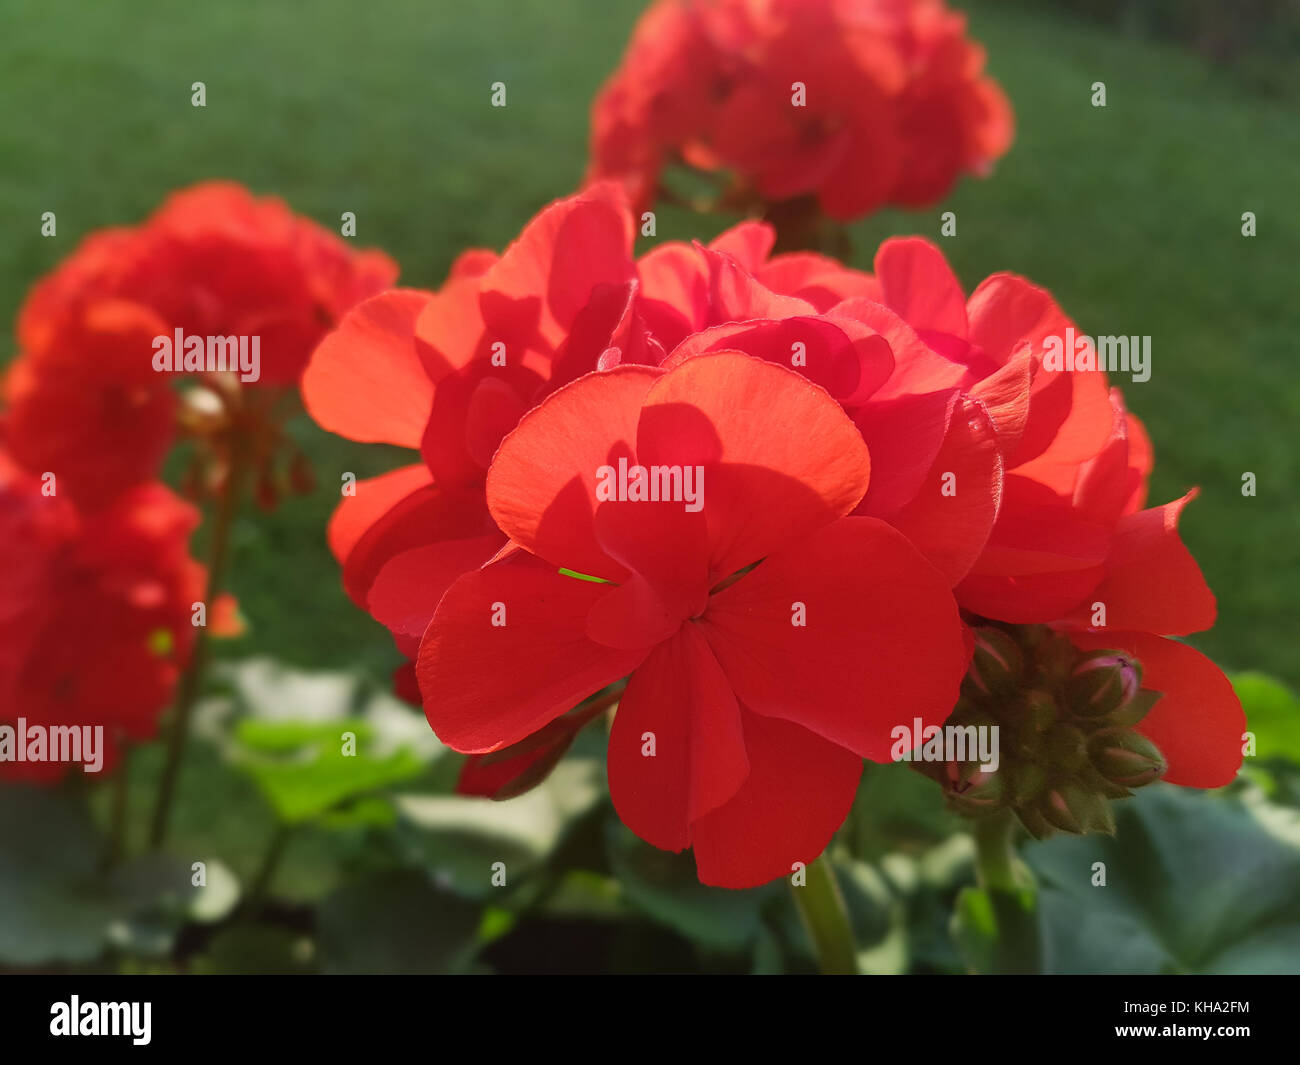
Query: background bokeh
point(1130, 214)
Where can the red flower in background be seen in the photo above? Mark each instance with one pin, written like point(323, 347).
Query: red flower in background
point(216, 260)
point(859, 103)
point(84, 401)
point(95, 610)
point(772, 643)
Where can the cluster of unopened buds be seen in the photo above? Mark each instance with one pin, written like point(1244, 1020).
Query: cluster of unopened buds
point(1066, 725)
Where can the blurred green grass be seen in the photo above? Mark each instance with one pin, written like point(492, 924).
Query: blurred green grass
point(1130, 214)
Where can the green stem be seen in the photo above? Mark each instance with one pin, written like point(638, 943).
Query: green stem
point(261, 882)
point(821, 906)
point(1011, 892)
point(188, 689)
point(121, 786)
point(995, 857)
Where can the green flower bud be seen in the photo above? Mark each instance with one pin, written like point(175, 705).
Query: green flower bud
point(1035, 823)
point(1126, 757)
point(977, 799)
point(1101, 682)
point(997, 664)
point(1072, 808)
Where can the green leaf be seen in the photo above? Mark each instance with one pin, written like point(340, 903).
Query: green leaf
point(221, 818)
point(55, 904)
point(665, 887)
point(1193, 884)
point(321, 777)
point(397, 922)
point(1272, 714)
point(60, 905)
point(258, 949)
point(316, 741)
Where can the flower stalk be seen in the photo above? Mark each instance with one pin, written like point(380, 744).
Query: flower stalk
point(188, 689)
point(1011, 893)
point(825, 918)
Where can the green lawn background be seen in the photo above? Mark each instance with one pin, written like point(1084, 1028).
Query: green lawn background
point(1129, 214)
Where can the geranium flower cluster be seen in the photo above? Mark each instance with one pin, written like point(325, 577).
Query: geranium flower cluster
point(95, 612)
point(759, 501)
point(856, 103)
point(95, 544)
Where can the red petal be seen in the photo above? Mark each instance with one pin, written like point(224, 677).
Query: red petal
point(679, 698)
point(764, 486)
point(487, 686)
point(665, 547)
point(819, 279)
point(845, 357)
point(1006, 394)
point(406, 591)
point(903, 436)
point(918, 369)
point(950, 519)
point(522, 766)
point(424, 515)
point(920, 286)
point(365, 380)
point(494, 409)
point(749, 244)
point(373, 498)
point(532, 295)
point(674, 291)
point(881, 643)
point(1152, 582)
point(797, 794)
point(541, 488)
point(734, 295)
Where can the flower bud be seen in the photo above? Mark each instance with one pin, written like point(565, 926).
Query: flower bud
point(962, 776)
point(1071, 808)
point(1091, 778)
point(983, 796)
point(1126, 757)
point(1035, 823)
point(997, 664)
point(1102, 682)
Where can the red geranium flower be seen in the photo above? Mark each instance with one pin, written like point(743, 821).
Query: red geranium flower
point(858, 104)
point(566, 298)
point(451, 373)
point(771, 641)
point(95, 610)
point(971, 436)
point(84, 400)
point(91, 410)
point(215, 260)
